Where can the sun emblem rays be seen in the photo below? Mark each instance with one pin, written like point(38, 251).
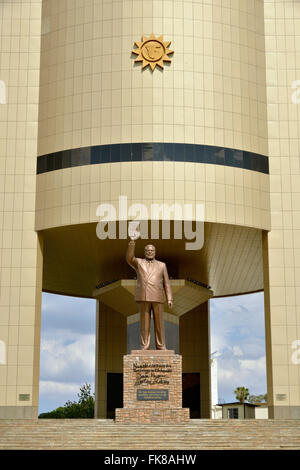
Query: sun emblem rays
point(152, 51)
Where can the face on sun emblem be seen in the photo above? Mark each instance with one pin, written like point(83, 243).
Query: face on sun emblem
point(152, 51)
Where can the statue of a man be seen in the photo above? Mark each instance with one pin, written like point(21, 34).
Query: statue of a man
point(152, 283)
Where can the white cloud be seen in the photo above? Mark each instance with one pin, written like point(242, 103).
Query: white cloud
point(68, 357)
point(237, 351)
point(67, 339)
point(238, 334)
point(225, 375)
point(61, 313)
point(54, 394)
point(257, 366)
point(51, 388)
point(237, 372)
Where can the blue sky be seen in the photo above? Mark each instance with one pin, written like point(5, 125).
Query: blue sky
point(68, 346)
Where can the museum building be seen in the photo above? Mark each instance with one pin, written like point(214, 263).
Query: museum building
point(194, 103)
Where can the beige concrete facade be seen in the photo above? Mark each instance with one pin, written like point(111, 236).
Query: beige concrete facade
point(231, 195)
point(213, 93)
point(68, 81)
point(92, 92)
point(282, 21)
point(20, 246)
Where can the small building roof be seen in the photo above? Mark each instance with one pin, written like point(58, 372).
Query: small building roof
point(239, 403)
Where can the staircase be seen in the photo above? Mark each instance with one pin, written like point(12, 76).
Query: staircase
point(105, 434)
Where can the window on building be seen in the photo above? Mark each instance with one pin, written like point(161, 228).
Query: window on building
point(233, 413)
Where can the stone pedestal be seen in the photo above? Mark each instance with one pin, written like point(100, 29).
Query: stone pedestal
point(152, 388)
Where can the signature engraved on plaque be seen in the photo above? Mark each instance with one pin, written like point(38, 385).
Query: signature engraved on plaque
point(152, 374)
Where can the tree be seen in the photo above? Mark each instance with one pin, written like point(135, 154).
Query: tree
point(257, 398)
point(241, 394)
point(84, 408)
point(85, 394)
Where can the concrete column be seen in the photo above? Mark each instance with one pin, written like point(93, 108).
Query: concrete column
point(269, 361)
point(281, 244)
point(20, 246)
point(282, 345)
point(20, 325)
point(110, 349)
point(194, 341)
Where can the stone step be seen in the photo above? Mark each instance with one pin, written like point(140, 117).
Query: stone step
point(106, 434)
point(111, 422)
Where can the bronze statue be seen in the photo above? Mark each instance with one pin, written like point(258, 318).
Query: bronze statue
point(152, 282)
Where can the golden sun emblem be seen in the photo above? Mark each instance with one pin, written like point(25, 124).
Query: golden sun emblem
point(152, 51)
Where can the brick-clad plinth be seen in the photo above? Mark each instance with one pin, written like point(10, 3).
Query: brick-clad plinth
point(152, 388)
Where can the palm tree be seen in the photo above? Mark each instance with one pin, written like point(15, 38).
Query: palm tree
point(241, 394)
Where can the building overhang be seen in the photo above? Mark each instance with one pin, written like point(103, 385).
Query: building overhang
point(119, 295)
point(76, 261)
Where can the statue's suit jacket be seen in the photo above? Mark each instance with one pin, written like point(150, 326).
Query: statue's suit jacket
point(152, 278)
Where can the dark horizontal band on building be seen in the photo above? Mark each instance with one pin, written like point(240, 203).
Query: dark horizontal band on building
point(152, 152)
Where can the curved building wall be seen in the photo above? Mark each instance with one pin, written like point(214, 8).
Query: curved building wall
point(212, 93)
point(230, 195)
point(92, 93)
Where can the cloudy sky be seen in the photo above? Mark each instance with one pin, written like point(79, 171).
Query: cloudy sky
point(67, 349)
point(238, 334)
point(68, 346)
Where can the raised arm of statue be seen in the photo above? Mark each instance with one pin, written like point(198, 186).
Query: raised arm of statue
point(134, 234)
point(130, 258)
